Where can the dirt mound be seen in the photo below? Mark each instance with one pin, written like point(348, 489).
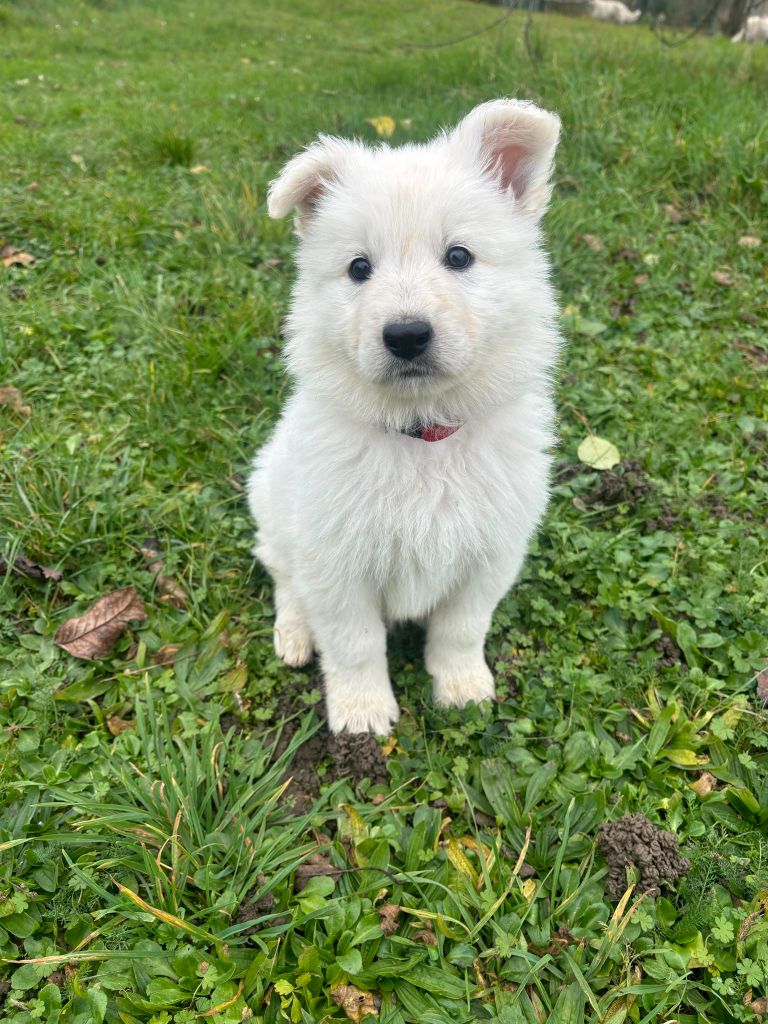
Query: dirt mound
point(635, 841)
point(628, 483)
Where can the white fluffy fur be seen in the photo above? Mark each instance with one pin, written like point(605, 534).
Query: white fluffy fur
point(613, 10)
point(361, 525)
point(755, 30)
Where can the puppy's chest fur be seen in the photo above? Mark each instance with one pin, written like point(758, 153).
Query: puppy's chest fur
point(417, 518)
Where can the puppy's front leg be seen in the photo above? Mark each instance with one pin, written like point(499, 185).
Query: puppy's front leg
point(455, 640)
point(352, 641)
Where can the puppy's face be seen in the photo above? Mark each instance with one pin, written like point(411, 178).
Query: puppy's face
point(419, 267)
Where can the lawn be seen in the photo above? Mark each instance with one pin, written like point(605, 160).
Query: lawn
point(180, 840)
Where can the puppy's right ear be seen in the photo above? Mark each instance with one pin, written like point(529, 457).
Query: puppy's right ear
point(306, 178)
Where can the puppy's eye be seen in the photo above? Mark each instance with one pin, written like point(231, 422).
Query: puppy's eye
point(458, 258)
point(360, 269)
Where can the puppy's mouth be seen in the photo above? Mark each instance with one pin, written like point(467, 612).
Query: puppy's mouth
point(401, 372)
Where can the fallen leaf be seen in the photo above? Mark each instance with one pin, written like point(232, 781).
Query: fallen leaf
point(673, 213)
point(166, 655)
point(529, 889)
point(389, 915)
point(11, 256)
point(722, 277)
point(593, 242)
point(425, 937)
point(756, 355)
point(598, 453)
point(704, 784)
point(23, 566)
point(762, 686)
point(759, 1006)
point(384, 125)
point(641, 279)
point(11, 398)
point(116, 725)
point(92, 635)
point(628, 255)
point(199, 169)
point(79, 161)
point(354, 1003)
point(170, 589)
point(750, 242)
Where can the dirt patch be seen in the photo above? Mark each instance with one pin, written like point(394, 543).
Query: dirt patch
point(634, 841)
point(629, 483)
point(352, 757)
point(667, 520)
point(756, 355)
point(257, 909)
point(671, 654)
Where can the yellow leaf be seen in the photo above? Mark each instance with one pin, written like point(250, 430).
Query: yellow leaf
point(384, 125)
point(598, 453)
point(356, 826)
point(684, 758)
point(529, 889)
point(459, 859)
point(199, 169)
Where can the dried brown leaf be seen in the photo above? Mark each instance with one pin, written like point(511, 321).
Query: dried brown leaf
point(641, 279)
point(11, 399)
point(705, 783)
point(354, 1003)
point(593, 242)
point(673, 213)
point(166, 655)
point(747, 923)
point(762, 686)
point(92, 635)
point(116, 725)
point(389, 915)
point(23, 566)
point(750, 242)
point(722, 277)
point(11, 256)
point(169, 588)
point(759, 1006)
point(425, 937)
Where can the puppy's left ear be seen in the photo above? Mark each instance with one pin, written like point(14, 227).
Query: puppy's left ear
point(515, 143)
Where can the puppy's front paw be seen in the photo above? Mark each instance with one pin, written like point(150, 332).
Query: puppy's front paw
point(374, 712)
point(293, 643)
point(456, 687)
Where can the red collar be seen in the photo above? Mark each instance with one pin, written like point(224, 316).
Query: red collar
point(430, 431)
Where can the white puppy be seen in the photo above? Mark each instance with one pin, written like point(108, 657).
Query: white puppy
point(755, 30)
point(615, 11)
point(410, 468)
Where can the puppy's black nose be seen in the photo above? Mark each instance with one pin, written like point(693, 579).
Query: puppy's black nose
point(407, 338)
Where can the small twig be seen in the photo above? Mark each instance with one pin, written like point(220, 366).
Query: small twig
point(708, 15)
point(460, 39)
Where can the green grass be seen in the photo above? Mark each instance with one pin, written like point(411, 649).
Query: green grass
point(146, 343)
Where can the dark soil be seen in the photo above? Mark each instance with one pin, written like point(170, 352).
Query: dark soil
point(667, 520)
point(353, 757)
point(628, 483)
point(671, 654)
point(635, 841)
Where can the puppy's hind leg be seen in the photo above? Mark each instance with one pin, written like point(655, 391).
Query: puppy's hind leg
point(293, 638)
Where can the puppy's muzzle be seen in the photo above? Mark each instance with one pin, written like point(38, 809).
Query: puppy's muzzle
point(407, 339)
